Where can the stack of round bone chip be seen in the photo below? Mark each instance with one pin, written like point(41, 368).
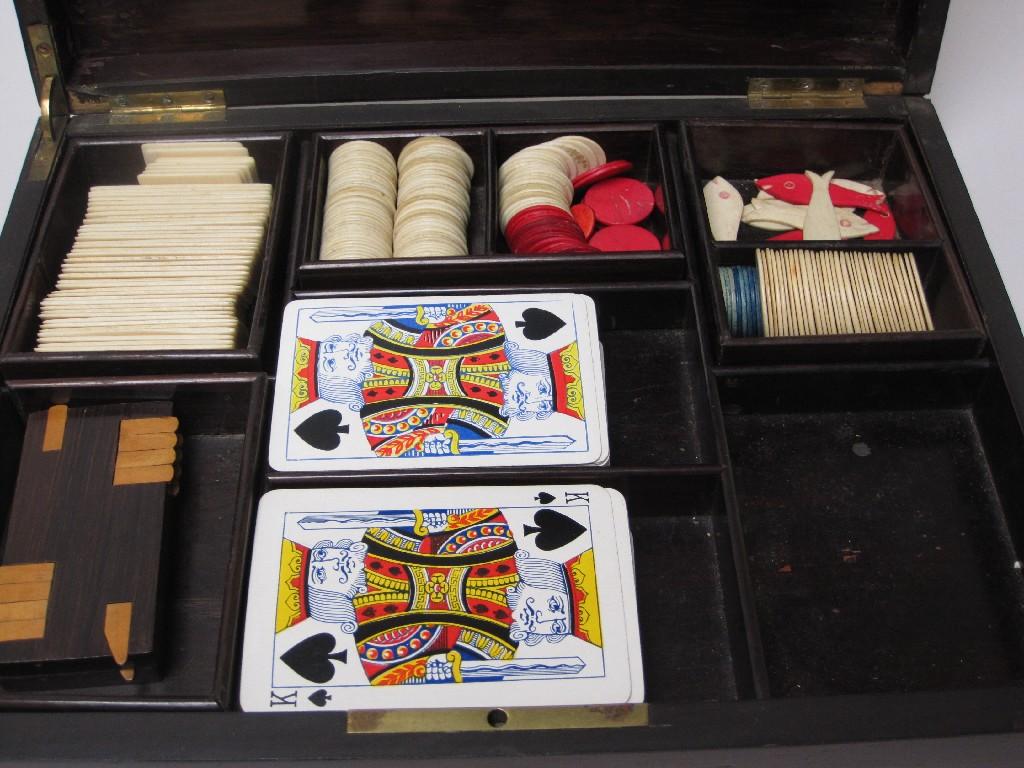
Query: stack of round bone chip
point(434, 176)
point(543, 174)
point(359, 211)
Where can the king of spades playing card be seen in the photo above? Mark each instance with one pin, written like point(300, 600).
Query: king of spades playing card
point(508, 381)
point(428, 606)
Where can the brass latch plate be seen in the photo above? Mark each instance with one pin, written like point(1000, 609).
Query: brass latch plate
point(805, 93)
point(505, 719)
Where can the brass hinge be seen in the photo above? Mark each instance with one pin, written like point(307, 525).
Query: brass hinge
point(814, 93)
point(51, 99)
point(168, 107)
point(157, 107)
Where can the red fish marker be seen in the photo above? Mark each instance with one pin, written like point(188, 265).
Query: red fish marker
point(625, 237)
point(885, 222)
point(584, 216)
point(796, 188)
point(602, 172)
point(620, 201)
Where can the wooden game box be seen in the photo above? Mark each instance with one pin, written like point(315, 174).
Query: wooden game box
point(828, 530)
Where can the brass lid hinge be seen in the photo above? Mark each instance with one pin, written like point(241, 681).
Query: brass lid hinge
point(51, 99)
point(207, 105)
point(815, 93)
point(168, 107)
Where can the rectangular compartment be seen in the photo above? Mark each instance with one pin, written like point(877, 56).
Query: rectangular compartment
point(312, 272)
point(659, 415)
point(489, 258)
point(691, 623)
point(958, 333)
point(205, 554)
point(88, 162)
point(877, 514)
point(639, 144)
point(879, 154)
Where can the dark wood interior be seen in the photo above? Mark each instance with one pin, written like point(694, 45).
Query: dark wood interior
point(112, 46)
point(827, 532)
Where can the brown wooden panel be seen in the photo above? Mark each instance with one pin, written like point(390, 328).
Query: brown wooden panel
point(104, 540)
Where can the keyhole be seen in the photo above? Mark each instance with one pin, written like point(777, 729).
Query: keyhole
point(497, 718)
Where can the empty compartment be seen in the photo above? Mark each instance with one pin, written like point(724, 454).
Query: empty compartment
point(656, 393)
point(876, 530)
point(205, 547)
point(877, 154)
point(91, 162)
point(691, 625)
point(312, 272)
point(958, 330)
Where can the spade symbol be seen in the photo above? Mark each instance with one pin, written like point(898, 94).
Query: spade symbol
point(311, 658)
point(538, 324)
point(320, 698)
point(322, 430)
point(553, 529)
point(544, 497)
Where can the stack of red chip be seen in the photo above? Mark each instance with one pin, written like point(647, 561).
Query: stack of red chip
point(546, 229)
point(606, 220)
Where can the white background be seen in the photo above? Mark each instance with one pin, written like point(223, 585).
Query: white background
point(977, 92)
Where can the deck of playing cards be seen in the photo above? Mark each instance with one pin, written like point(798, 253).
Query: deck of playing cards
point(367, 598)
point(439, 381)
point(164, 264)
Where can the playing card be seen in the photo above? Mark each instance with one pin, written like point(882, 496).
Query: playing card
point(439, 597)
point(438, 381)
point(627, 574)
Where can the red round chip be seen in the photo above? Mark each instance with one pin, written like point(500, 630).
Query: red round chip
point(625, 237)
point(602, 172)
point(531, 214)
point(620, 201)
point(584, 216)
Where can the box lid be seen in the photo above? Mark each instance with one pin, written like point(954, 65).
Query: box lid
point(283, 51)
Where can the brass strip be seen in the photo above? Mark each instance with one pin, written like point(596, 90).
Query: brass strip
point(27, 573)
point(149, 426)
point(23, 611)
point(141, 475)
point(17, 593)
point(501, 719)
point(154, 458)
point(32, 629)
point(56, 422)
point(147, 442)
point(117, 629)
